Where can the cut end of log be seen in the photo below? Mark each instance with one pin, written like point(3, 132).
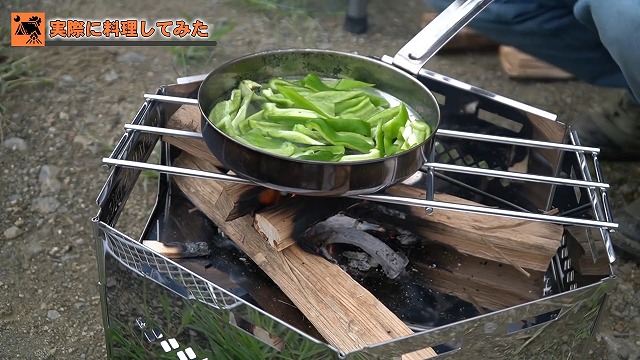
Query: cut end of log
point(172, 252)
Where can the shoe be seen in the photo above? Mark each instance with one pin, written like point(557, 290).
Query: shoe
point(626, 239)
point(615, 130)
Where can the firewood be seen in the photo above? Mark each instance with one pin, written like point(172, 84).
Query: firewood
point(524, 66)
point(436, 266)
point(179, 250)
point(187, 117)
point(285, 222)
point(347, 315)
point(477, 280)
point(525, 245)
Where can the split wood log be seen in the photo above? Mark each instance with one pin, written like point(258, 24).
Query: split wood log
point(444, 269)
point(583, 261)
point(520, 65)
point(248, 199)
point(483, 283)
point(187, 117)
point(522, 244)
point(347, 315)
point(282, 224)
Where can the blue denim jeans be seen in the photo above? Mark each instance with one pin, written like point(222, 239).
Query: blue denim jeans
point(598, 41)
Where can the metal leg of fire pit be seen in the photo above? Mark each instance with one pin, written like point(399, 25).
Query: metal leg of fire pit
point(356, 19)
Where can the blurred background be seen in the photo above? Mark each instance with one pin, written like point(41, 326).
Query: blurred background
point(63, 108)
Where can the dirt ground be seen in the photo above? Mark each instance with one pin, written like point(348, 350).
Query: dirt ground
point(54, 136)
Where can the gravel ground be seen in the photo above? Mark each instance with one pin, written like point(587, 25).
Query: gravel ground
point(55, 136)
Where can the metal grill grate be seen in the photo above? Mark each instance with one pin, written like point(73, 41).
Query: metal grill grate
point(147, 263)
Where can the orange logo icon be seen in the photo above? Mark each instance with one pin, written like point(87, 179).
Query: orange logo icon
point(27, 29)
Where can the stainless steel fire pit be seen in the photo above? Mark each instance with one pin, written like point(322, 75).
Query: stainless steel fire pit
point(155, 307)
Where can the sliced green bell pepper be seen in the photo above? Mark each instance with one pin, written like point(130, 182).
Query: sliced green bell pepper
point(378, 134)
point(320, 153)
point(294, 116)
point(248, 87)
point(347, 84)
point(279, 99)
point(364, 110)
point(241, 115)
point(349, 140)
point(350, 125)
point(256, 139)
point(344, 105)
point(384, 116)
point(321, 108)
point(226, 109)
point(372, 154)
point(392, 126)
point(313, 82)
point(293, 136)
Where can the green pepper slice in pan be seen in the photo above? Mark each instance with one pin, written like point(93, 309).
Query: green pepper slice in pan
point(293, 136)
point(372, 154)
point(300, 101)
point(313, 82)
point(349, 140)
point(293, 116)
point(241, 115)
point(347, 84)
point(384, 116)
point(310, 133)
point(364, 110)
point(256, 139)
point(350, 125)
point(226, 109)
point(378, 135)
point(278, 99)
point(319, 153)
point(392, 126)
point(332, 97)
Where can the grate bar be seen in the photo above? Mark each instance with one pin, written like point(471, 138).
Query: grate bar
point(515, 175)
point(174, 170)
point(516, 141)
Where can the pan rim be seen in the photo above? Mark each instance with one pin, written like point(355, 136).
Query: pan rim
point(389, 67)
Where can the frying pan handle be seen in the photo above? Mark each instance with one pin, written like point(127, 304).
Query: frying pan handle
point(438, 32)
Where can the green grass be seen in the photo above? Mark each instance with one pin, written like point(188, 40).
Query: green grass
point(214, 338)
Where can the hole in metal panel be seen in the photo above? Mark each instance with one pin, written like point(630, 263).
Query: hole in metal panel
point(500, 121)
point(532, 322)
point(441, 349)
point(256, 331)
